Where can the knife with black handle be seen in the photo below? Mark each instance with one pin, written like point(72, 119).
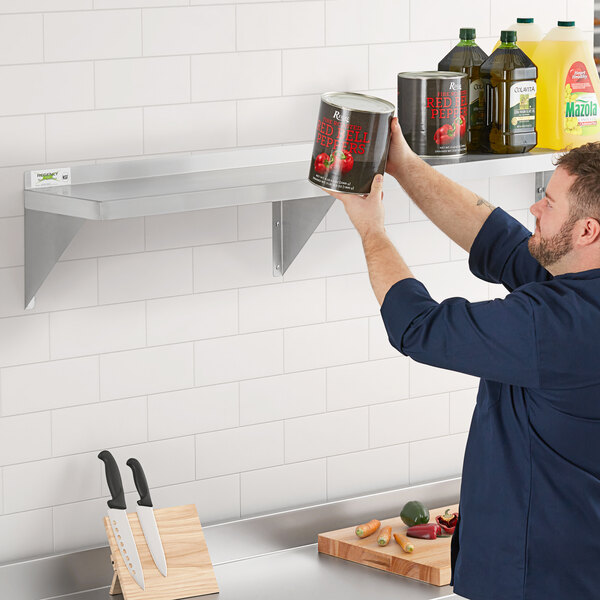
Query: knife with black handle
point(146, 516)
point(117, 513)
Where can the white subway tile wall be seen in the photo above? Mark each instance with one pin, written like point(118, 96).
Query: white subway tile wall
point(29, 534)
point(165, 472)
point(277, 488)
point(380, 469)
point(167, 338)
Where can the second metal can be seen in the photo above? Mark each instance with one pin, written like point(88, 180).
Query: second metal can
point(433, 112)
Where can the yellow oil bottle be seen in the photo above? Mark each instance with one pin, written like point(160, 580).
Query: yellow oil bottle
point(528, 35)
point(568, 87)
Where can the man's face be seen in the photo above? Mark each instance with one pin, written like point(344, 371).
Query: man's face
point(553, 236)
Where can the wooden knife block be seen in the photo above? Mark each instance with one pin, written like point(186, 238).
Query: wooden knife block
point(189, 568)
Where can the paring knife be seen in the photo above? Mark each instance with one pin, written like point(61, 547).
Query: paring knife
point(117, 513)
point(145, 513)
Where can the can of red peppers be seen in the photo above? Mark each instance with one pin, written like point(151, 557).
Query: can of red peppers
point(351, 142)
point(433, 112)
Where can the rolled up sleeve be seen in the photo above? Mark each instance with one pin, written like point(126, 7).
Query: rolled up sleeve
point(494, 339)
point(500, 253)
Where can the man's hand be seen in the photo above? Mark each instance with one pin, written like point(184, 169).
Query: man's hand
point(400, 153)
point(365, 212)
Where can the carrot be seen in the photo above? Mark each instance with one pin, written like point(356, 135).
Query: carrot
point(366, 529)
point(384, 536)
point(404, 543)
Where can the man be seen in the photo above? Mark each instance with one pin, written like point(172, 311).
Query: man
point(529, 525)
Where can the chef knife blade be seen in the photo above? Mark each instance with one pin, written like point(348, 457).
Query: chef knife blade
point(145, 513)
point(117, 513)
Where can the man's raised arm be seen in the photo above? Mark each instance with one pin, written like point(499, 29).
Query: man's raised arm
point(457, 211)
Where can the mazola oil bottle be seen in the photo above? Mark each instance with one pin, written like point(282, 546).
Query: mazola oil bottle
point(509, 77)
point(568, 87)
point(467, 57)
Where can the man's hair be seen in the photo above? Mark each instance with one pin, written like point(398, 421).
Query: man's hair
point(584, 163)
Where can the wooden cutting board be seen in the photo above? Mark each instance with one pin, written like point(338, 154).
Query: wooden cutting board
point(429, 562)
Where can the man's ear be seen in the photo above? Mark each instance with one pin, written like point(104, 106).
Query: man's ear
point(590, 232)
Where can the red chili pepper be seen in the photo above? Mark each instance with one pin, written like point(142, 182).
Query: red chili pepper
point(447, 521)
point(429, 531)
point(322, 163)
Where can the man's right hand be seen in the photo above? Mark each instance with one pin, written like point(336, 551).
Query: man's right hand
point(399, 153)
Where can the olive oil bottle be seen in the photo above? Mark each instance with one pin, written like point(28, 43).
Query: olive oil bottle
point(509, 77)
point(467, 57)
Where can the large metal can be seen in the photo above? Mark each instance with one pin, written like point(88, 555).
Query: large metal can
point(351, 142)
point(433, 112)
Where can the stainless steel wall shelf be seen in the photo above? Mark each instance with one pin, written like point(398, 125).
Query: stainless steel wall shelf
point(54, 213)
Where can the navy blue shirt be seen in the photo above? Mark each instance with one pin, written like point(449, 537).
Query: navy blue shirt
point(529, 525)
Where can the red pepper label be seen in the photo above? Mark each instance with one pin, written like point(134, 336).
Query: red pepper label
point(451, 105)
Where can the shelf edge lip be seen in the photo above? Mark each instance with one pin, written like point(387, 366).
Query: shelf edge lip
point(478, 166)
point(163, 204)
point(499, 166)
point(70, 206)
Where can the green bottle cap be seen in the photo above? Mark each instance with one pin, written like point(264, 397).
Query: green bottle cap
point(467, 33)
point(528, 20)
point(566, 23)
point(508, 36)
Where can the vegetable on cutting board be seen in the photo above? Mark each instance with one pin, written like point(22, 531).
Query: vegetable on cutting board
point(428, 531)
point(404, 543)
point(366, 529)
point(447, 521)
point(384, 536)
point(414, 513)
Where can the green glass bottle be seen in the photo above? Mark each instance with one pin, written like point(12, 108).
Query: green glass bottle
point(509, 77)
point(467, 57)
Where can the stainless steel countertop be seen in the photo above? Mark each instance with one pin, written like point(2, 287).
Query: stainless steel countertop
point(259, 558)
point(301, 574)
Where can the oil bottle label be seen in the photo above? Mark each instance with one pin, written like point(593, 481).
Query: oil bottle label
point(476, 103)
point(581, 103)
point(522, 105)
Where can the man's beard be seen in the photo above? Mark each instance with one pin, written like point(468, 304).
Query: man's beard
point(548, 251)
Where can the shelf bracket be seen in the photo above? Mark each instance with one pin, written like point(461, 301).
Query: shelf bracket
point(47, 236)
point(541, 181)
point(294, 221)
